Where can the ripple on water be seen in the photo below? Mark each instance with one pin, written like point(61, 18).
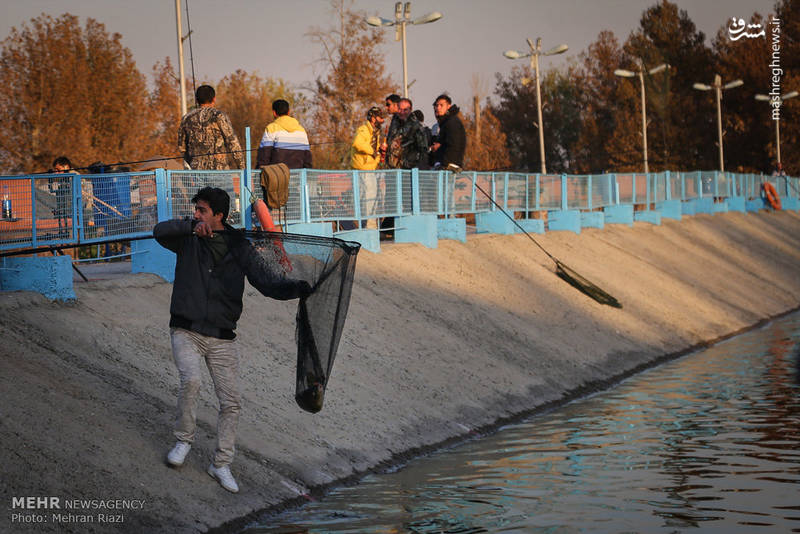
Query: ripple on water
point(706, 443)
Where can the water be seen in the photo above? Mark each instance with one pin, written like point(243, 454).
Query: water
point(706, 443)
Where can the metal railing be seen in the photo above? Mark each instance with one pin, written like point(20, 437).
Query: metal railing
point(57, 209)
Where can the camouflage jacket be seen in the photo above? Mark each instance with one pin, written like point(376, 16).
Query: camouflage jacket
point(207, 140)
point(407, 145)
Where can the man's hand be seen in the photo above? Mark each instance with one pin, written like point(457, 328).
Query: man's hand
point(201, 229)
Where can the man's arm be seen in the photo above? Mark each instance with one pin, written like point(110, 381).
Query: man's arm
point(169, 234)
point(266, 280)
point(182, 148)
point(231, 141)
point(361, 143)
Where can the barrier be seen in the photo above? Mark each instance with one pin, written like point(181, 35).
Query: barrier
point(75, 210)
point(50, 276)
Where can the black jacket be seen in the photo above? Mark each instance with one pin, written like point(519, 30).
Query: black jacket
point(207, 298)
point(452, 138)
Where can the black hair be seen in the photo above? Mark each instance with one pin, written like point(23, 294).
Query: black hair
point(204, 95)
point(444, 97)
point(393, 98)
point(419, 115)
point(280, 107)
point(218, 200)
point(62, 161)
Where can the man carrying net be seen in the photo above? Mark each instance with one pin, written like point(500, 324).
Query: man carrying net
point(212, 262)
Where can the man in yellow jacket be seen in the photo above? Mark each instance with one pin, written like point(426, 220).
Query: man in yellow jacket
point(365, 156)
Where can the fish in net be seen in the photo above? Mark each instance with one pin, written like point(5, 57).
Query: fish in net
point(328, 265)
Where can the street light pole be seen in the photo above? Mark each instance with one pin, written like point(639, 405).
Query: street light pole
point(535, 66)
point(180, 57)
point(780, 100)
point(535, 52)
point(717, 85)
point(402, 17)
point(629, 74)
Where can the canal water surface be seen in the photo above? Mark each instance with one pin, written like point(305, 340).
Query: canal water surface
point(706, 443)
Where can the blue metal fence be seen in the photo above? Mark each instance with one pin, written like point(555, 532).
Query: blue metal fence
point(45, 210)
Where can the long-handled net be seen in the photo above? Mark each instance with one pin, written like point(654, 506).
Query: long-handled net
point(564, 272)
point(328, 265)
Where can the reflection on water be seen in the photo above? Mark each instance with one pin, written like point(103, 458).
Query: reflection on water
point(707, 443)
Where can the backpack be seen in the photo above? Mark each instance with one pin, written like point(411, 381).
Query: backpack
point(275, 184)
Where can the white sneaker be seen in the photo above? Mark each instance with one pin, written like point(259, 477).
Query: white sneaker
point(224, 477)
point(178, 453)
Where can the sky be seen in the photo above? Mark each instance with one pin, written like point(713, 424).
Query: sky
point(268, 37)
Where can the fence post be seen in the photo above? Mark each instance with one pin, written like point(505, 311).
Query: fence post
point(473, 204)
point(493, 189)
point(415, 208)
point(527, 196)
point(538, 191)
point(441, 205)
point(667, 186)
point(399, 184)
point(246, 184)
point(164, 208)
point(305, 202)
point(589, 192)
point(564, 203)
point(505, 191)
point(354, 176)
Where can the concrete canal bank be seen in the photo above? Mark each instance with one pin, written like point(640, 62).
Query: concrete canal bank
point(438, 343)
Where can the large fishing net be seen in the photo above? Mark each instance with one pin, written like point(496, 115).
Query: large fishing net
point(328, 265)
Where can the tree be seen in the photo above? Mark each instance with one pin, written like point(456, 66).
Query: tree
point(561, 115)
point(355, 80)
point(683, 125)
point(69, 91)
point(166, 113)
point(601, 107)
point(489, 153)
point(247, 99)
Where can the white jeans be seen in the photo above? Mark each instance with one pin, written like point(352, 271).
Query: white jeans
point(370, 197)
point(189, 350)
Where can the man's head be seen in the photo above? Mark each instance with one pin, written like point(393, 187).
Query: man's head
point(211, 206)
point(404, 108)
point(441, 105)
point(391, 103)
point(205, 95)
point(280, 108)
point(375, 115)
point(62, 164)
point(419, 115)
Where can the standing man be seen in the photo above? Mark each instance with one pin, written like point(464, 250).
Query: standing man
point(451, 141)
point(407, 143)
point(62, 187)
point(206, 136)
point(392, 103)
point(284, 140)
point(212, 261)
point(365, 156)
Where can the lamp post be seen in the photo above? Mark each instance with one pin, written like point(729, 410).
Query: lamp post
point(717, 85)
point(629, 74)
point(776, 116)
point(182, 78)
point(535, 52)
point(402, 17)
